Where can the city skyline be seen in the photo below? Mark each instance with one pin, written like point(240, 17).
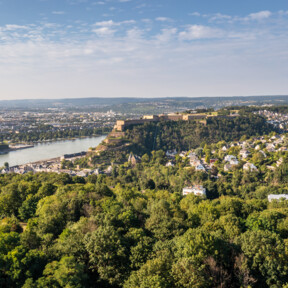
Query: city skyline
point(122, 48)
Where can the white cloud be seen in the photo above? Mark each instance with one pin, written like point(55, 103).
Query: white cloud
point(197, 14)
point(259, 15)
point(166, 34)
point(58, 12)
point(135, 33)
point(105, 23)
point(194, 32)
point(104, 31)
point(219, 17)
point(11, 27)
point(110, 23)
point(163, 19)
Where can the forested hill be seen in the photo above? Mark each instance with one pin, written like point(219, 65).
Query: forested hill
point(184, 135)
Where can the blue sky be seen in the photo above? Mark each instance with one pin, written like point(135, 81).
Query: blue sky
point(135, 48)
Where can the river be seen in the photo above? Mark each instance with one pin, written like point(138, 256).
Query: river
point(47, 150)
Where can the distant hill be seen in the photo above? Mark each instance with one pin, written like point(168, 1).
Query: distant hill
point(143, 105)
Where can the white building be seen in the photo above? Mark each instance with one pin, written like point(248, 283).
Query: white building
point(171, 153)
point(228, 158)
point(183, 154)
point(244, 153)
point(257, 147)
point(200, 167)
point(250, 167)
point(277, 197)
point(224, 148)
point(263, 153)
point(234, 162)
point(197, 190)
point(169, 164)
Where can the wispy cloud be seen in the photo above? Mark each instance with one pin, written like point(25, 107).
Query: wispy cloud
point(259, 15)
point(110, 23)
point(58, 12)
point(104, 31)
point(194, 32)
point(163, 19)
point(219, 17)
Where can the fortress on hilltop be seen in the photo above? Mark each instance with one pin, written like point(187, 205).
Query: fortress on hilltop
point(116, 139)
point(122, 124)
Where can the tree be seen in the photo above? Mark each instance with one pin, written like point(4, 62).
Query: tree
point(65, 273)
point(108, 254)
point(266, 256)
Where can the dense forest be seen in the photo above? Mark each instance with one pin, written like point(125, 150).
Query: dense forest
point(185, 135)
point(134, 229)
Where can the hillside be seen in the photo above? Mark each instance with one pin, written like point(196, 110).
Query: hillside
point(184, 135)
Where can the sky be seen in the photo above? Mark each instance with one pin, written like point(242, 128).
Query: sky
point(137, 48)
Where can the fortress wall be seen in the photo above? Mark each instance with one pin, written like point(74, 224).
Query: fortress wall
point(121, 124)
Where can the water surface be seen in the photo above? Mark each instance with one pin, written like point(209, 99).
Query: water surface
point(47, 150)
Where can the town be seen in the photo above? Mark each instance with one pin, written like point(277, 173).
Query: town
point(26, 126)
point(215, 160)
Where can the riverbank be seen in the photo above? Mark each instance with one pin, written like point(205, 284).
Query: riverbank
point(15, 148)
point(49, 150)
point(60, 139)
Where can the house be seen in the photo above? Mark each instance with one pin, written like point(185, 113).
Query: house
point(275, 137)
point(250, 167)
point(197, 190)
point(192, 155)
point(279, 162)
point(283, 149)
point(257, 147)
point(272, 197)
point(263, 153)
point(278, 141)
point(212, 162)
point(171, 153)
point(194, 160)
point(133, 159)
point(224, 148)
point(270, 147)
point(109, 170)
point(234, 162)
point(200, 167)
point(244, 153)
point(228, 158)
point(97, 172)
point(81, 174)
point(4, 171)
point(169, 164)
point(227, 167)
point(272, 168)
point(183, 154)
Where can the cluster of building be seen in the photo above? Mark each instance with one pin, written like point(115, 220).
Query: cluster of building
point(14, 122)
point(277, 119)
point(241, 158)
point(55, 166)
point(197, 190)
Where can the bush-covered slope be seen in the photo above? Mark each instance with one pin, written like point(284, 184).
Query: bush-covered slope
point(184, 135)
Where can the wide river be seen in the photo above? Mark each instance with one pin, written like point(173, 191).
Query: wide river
point(47, 150)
